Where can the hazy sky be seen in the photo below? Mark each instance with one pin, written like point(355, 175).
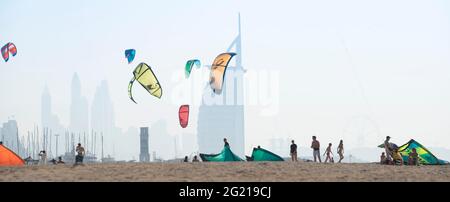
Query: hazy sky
point(394, 78)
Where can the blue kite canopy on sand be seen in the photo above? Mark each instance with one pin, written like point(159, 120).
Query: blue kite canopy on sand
point(129, 54)
point(225, 155)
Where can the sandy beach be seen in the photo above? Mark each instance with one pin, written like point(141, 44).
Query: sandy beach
point(230, 171)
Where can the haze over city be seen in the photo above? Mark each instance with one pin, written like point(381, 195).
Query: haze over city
point(338, 70)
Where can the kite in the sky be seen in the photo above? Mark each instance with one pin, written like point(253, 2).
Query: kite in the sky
point(129, 54)
point(183, 114)
point(8, 48)
point(145, 76)
point(218, 69)
point(189, 65)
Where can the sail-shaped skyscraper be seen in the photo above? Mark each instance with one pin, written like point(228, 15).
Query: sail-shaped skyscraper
point(222, 116)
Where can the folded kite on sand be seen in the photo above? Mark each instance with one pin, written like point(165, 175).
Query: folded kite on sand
point(225, 155)
point(260, 154)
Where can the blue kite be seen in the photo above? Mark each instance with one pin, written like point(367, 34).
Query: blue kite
point(129, 54)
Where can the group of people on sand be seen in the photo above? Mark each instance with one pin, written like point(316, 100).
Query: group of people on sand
point(392, 155)
point(195, 159)
point(315, 146)
point(43, 157)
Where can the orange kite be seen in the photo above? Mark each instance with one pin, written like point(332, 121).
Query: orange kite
point(9, 158)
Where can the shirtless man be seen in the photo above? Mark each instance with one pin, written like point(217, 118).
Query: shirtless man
point(80, 154)
point(316, 149)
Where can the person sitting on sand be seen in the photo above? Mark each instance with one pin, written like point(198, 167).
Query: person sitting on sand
point(315, 145)
point(383, 158)
point(80, 154)
point(397, 157)
point(60, 161)
point(186, 159)
point(226, 142)
point(195, 159)
point(340, 150)
point(413, 158)
point(328, 152)
point(28, 160)
point(293, 151)
point(53, 161)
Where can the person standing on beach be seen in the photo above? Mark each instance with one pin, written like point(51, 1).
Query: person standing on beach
point(80, 154)
point(328, 152)
point(43, 156)
point(340, 150)
point(226, 142)
point(186, 159)
point(316, 149)
point(387, 148)
point(293, 151)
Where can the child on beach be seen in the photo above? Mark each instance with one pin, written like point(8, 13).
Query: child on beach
point(328, 152)
point(340, 150)
point(413, 158)
point(383, 158)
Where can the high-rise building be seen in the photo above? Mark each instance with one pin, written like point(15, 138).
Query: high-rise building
point(222, 116)
point(102, 111)
point(144, 155)
point(9, 135)
point(79, 117)
point(48, 119)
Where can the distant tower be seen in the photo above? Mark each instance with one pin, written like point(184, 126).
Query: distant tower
point(144, 156)
point(79, 119)
point(226, 120)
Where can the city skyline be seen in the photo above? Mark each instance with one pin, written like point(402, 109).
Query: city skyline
point(338, 70)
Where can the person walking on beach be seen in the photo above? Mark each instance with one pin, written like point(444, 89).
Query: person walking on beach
point(80, 154)
point(340, 150)
point(328, 152)
point(226, 142)
point(316, 149)
point(387, 148)
point(293, 151)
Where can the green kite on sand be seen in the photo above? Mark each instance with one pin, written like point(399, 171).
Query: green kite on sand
point(425, 156)
point(225, 155)
point(260, 154)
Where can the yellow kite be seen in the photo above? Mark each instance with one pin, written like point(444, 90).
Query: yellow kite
point(145, 76)
point(218, 69)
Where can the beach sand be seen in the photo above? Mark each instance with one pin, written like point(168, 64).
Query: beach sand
point(227, 171)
